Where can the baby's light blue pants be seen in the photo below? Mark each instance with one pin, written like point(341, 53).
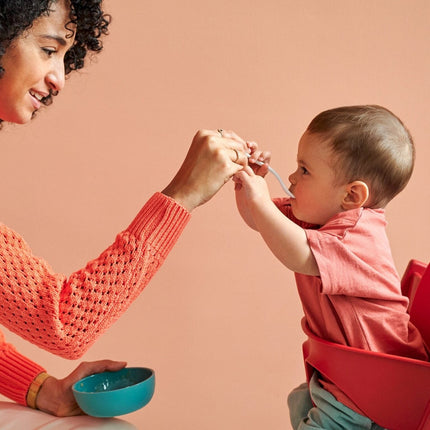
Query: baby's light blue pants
point(326, 412)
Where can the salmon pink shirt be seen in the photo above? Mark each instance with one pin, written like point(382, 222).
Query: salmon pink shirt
point(357, 299)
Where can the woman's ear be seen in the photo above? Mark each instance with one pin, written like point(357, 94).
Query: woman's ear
point(356, 195)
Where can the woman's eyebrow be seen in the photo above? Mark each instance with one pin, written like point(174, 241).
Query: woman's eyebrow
point(58, 39)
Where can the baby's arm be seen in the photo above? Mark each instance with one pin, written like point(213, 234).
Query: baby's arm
point(286, 240)
point(242, 205)
point(241, 199)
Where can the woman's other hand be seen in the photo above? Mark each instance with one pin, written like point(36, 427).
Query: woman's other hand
point(55, 395)
point(213, 158)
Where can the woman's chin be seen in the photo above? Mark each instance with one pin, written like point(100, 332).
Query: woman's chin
point(22, 119)
point(22, 116)
point(16, 119)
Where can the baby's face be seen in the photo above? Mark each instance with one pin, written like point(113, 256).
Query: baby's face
point(318, 196)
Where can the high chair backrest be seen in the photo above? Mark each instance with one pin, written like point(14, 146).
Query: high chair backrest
point(391, 390)
point(416, 286)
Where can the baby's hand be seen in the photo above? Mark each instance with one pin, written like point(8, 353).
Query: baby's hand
point(256, 155)
point(251, 185)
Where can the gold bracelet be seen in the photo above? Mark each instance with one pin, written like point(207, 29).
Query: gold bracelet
point(34, 389)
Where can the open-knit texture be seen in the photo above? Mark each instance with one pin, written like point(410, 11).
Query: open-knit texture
point(65, 315)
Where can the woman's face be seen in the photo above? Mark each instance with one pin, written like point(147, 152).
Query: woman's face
point(34, 65)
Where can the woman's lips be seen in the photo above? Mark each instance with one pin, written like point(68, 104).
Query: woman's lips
point(36, 98)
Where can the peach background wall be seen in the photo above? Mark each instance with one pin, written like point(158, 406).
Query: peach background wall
point(220, 322)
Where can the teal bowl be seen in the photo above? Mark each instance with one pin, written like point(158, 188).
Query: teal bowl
point(110, 394)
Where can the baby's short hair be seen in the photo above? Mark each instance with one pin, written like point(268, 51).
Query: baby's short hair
point(371, 144)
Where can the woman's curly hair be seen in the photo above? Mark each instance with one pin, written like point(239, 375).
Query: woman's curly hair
point(91, 23)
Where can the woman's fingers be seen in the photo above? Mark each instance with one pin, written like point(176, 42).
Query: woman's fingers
point(233, 141)
point(230, 134)
point(212, 159)
point(89, 368)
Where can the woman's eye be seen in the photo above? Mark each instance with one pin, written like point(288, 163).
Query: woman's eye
point(49, 51)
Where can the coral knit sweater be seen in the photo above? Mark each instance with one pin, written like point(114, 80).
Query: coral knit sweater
point(65, 315)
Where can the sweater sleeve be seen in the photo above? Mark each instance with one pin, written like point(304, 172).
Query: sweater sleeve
point(65, 315)
point(16, 373)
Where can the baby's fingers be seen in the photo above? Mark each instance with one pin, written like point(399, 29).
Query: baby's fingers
point(242, 175)
point(262, 170)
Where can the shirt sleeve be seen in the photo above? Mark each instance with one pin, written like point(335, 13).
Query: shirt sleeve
point(345, 254)
point(65, 315)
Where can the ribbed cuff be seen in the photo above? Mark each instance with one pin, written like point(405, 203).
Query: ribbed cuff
point(16, 374)
point(161, 220)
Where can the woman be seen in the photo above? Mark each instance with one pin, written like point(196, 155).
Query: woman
point(40, 43)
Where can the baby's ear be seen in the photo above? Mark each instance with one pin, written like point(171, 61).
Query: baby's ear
point(356, 195)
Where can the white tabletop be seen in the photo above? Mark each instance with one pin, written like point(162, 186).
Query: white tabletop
point(17, 417)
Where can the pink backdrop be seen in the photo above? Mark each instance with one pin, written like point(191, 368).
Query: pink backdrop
point(220, 322)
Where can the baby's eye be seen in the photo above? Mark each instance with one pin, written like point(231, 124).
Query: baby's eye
point(304, 170)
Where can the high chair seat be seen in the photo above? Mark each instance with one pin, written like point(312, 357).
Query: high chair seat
point(392, 391)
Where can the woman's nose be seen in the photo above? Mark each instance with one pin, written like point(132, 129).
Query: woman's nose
point(56, 77)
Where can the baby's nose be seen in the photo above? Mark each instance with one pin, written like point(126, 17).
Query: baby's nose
point(292, 178)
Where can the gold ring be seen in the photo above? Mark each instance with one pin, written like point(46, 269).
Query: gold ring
point(237, 155)
point(220, 131)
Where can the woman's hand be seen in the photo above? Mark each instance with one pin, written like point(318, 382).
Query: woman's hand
point(213, 158)
point(55, 395)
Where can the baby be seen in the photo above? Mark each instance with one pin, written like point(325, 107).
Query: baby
point(351, 162)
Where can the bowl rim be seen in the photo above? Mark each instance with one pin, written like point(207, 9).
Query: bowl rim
point(150, 376)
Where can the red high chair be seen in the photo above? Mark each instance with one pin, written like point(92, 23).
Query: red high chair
point(392, 391)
